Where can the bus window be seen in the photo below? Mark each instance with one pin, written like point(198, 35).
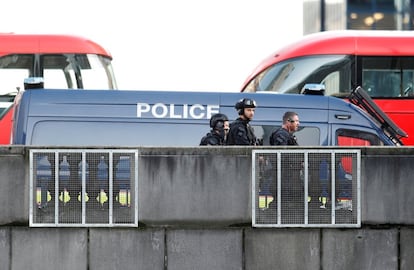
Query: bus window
point(58, 71)
point(95, 72)
point(13, 70)
point(388, 76)
point(76, 71)
point(55, 79)
point(332, 83)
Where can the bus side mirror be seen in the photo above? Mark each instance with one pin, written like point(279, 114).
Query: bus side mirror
point(313, 89)
point(33, 83)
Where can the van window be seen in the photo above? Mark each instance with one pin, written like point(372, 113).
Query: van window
point(143, 134)
point(347, 137)
point(123, 133)
point(306, 136)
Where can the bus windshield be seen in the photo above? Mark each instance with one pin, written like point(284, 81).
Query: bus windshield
point(59, 71)
point(291, 75)
point(381, 76)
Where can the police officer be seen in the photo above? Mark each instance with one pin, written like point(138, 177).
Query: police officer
point(219, 124)
point(285, 134)
point(241, 133)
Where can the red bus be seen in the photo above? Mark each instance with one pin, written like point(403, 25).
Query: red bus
point(381, 62)
point(61, 61)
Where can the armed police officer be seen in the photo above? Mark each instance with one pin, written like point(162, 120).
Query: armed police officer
point(219, 124)
point(285, 135)
point(241, 133)
point(292, 182)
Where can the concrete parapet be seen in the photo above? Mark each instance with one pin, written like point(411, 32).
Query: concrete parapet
point(195, 213)
point(360, 249)
point(206, 187)
point(387, 186)
point(49, 248)
point(187, 248)
point(14, 185)
point(212, 186)
point(267, 248)
point(126, 248)
point(406, 248)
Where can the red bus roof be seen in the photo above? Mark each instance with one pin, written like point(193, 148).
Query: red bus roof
point(352, 42)
point(11, 43)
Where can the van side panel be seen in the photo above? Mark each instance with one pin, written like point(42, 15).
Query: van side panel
point(162, 118)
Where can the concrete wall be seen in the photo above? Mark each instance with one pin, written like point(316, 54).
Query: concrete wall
point(195, 213)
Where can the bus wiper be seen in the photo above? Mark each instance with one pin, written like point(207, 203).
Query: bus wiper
point(360, 97)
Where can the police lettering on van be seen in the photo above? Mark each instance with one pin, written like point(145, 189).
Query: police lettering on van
point(176, 111)
point(164, 118)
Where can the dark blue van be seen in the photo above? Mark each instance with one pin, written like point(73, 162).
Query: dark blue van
point(164, 118)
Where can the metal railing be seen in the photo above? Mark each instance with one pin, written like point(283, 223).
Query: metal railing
point(306, 188)
point(87, 187)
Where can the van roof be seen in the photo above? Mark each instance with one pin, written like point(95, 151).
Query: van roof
point(122, 104)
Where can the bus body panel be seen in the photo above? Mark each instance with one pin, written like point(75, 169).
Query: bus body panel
point(6, 123)
point(28, 44)
point(360, 44)
point(347, 42)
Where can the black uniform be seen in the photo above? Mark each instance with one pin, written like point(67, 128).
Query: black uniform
point(212, 138)
point(241, 133)
point(282, 137)
point(292, 184)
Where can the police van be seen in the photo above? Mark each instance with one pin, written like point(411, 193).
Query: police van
point(47, 117)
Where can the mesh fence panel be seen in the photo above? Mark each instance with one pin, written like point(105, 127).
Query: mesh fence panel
point(83, 187)
point(306, 188)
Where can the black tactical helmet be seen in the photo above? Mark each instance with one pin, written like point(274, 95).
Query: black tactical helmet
point(216, 119)
point(244, 103)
